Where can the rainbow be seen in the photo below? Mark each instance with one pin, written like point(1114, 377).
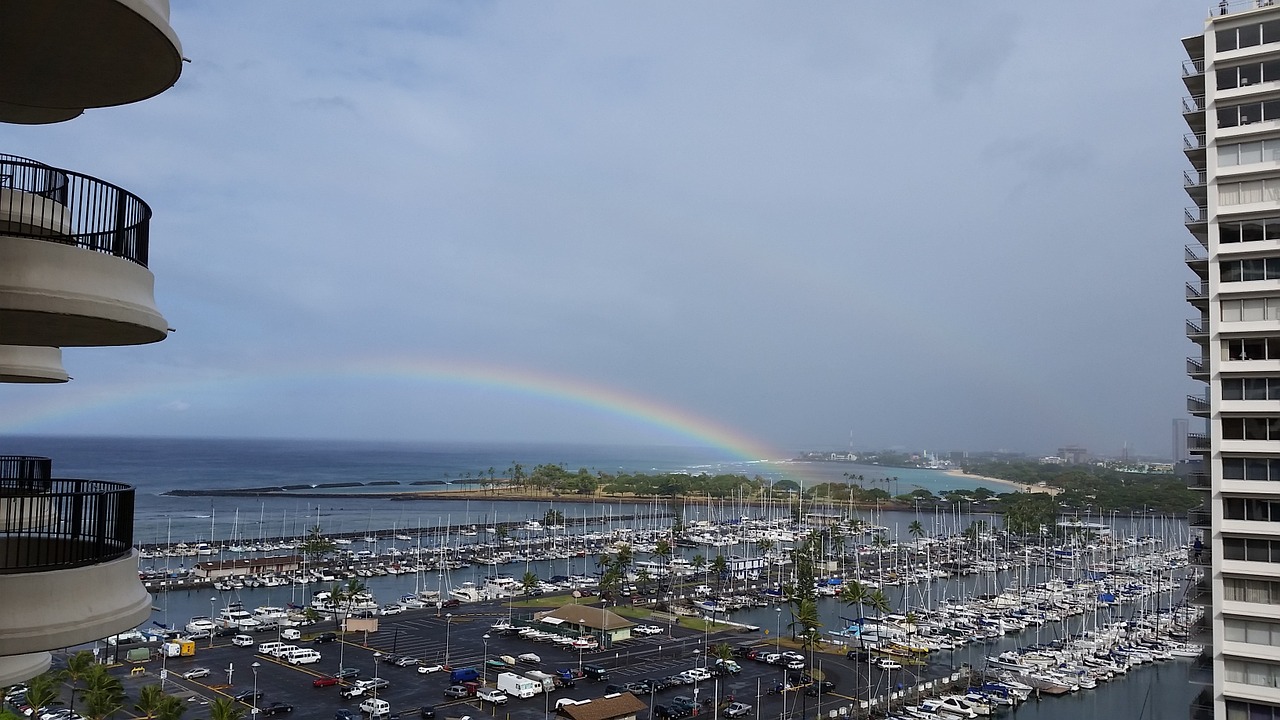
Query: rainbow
point(43, 410)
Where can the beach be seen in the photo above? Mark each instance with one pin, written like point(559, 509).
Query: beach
point(1022, 487)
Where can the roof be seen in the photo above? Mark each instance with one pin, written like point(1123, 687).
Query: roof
point(588, 616)
point(610, 706)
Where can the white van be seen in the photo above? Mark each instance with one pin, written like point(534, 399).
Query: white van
point(284, 650)
point(375, 708)
point(269, 648)
point(242, 641)
point(305, 656)
point(290, 634)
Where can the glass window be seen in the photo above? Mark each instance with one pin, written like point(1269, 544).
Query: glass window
point(1255, 389)
point(1230, 233)
point(1233, 549)
point(1262, 349)
point(1256, 510)
point(1250, 153)
point(1237, 710)
point(1232, 429)
point(1273, 268)
point(1233, 468)
point(1255, 269)
point(1232, 389)
point(1233, 631)
point(1270, 70)
point(1229, 272)
point(1270, 31)
point(1252, 231)
point(1228, 155)
point(1255, 428)
point(1225, 40)
point(1232, 311)
point(1249, 35)
point(1271, 149)
point(1228, 117)
point(1257, 550)
point(1254, 309)
point(1256, 470)
point(1227, 78)
point(1250, 74)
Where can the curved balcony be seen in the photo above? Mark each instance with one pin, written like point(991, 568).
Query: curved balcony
point(62, 56)
point(58, 540)
point(73, 260)
point(24, 364)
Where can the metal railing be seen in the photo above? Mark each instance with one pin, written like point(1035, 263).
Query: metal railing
point(1197, 404)
point(25, 467)
point(1196, 366)
point(1202, 706)
point(1198, 291)
point(1201, 592)
point(1193, 179)
point(1193, 216)
point(1200, 481)
point(1194, 66)
point(1192, 103)
point(1200, 518)
point(1235, 6)
point(1197, 441)
point(47, 203)
point(1194, 330)
point(57, 524)
point(1192, 255)
point(1193, 141)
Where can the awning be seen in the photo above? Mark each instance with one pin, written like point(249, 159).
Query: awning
point(552, 620)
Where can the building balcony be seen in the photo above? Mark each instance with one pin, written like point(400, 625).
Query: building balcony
point(1200, 517)
point(66, 549)
point(1202, 706)
point(86, 54)
point(1194, 182)
point(1197, 406)
point(23, 364)
point(73, 260)
point(1199, 481)
point(1196, 333)
point(1194, 146)
point(1196, 259)
point(1198, 369)
point(1201, 592)
point(1198, 442)
point(1201, 672)
point(1198, 294)
point(1193, 75)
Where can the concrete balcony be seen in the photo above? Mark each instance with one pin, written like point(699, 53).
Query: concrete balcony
point(62, 56)
point(1198, 369)
point(23, 364)
point(67, 564)
point(1202, 705)
point(73, 260)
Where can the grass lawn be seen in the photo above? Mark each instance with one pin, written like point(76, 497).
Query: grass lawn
point(547, 601)
point(633, 612)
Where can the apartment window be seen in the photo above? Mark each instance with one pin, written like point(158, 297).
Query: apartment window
point(1251, 468)
point(1249, 153)
point(1251, 509)
point(1248, 35)
point(1249, 270)
point(1251, 550)
point(1261, 592)
point(1248, 113)
point(1251, 428)
point(1254, 632)
point(1252, 191)
point(1249, 231)
point(1252, 349)
point(1251, 310)
point(1248, 74)
point(1262, 674)
point(1238, 710)
point(1251, 388)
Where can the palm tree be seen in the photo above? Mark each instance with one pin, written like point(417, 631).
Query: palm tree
point(720, 566)
point(78, 667)
point(804, 616)
point(171, 708)
point(722, 651)
point(104, 694)
point(225, 709)
point(150, 700)
point(878, 601)
point(42, 690)
point(624, 558)
point(700, 565)
point(528, 582)
point(764, 545)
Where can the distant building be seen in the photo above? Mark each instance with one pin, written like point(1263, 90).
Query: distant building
point(622, 706)
point(1051, 460)
point(607, 627)
point(1181, 426)
point(1073, 455)
point(279, 564)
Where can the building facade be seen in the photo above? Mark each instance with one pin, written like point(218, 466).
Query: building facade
point(73, 273)
point(1232, 109)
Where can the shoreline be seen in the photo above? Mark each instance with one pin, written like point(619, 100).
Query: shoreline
point(1021, 487)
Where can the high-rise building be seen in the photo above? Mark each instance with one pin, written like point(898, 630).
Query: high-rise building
point(73, 273)
point(1232, 107)
point(1180, 429)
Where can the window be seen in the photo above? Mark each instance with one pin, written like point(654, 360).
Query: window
point(1251, 191)
point(1239, 710)
point(1251, 509)
point(1249, 270)
point(1262, 674)
point(1249, 230)
point(1251, 310)
point(1251, 348)
point(1261, 592)
point(1247, 74)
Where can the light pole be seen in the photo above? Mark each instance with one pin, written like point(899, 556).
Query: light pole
point(255, 667)
point(448, 623)
point(213, 601)
point(376, 657)
point(777, 630)
point(695, 677)
point(582, 624)
point(484, 669)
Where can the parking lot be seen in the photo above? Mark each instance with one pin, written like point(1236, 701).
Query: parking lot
point(468, 639)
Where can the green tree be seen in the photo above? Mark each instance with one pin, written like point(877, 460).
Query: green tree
point(224, 708)
point(878, 601)
point(804, 616)
point(316, 547)
point(150, 700)
point(720, 566)
point(42, 690)
point(171, 708)
point(722, 651)
point(529, 582)
point(104, 694)
point(79, 665)
point(553, 517)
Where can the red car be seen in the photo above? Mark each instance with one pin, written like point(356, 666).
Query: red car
point(325, 681)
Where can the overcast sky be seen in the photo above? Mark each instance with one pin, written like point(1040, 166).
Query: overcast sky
point(928, 225)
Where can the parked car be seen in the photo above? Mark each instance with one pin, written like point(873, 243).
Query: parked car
point(795, 664)
point(194, 673)
point(347, 673)
point(820, 687)
point(640, 687)
point(406, 661)
point(344, 714)
point(675, 680)
point(497, 697)
point(425, 669)
point(427, 712)
point(736, 709)
point(248, 697)
point(886, 664)
point(456, 691)
point(243, 641)
point(697, 673)
point(276, 708)
point(325, 637)
point(325, 681)
point(352, 691)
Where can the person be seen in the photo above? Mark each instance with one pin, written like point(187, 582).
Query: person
point(1222, 7)
point(1197, 548)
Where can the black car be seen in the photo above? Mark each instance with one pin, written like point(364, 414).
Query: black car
point(683, 701)
point(248, 697)
point(427, 712)
point(671, 712)
point(820, 687)
point(595, 672)
point(326, 637)
point(347, 673)
point(226, 631)
point(276, 708)
point(345, 714)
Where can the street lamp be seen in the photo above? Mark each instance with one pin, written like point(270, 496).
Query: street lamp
point(581, 624)
point(484, 669)
point(448, 623)
point(696, 651)
point(213, 601)
point(777, 631)
point(376, 657)
point(254, 697)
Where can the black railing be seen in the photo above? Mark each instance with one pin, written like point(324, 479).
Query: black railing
point(47, 203)
point(1199, 481)
point(1197, 441)
point(1197, 404)
point(25, 467)
point(57, 524)
point(1194, 329)
point(1198, 291)
point(1193, 141)
point(1195, 366)
point(1200, 517)
point(1192, 255)
point(1190, 180)
point(1201, 592)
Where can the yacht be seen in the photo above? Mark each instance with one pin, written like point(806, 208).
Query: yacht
point(466, 592)
point(200, 626)
point(234, 616)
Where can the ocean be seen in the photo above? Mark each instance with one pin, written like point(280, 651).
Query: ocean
point(155, 466)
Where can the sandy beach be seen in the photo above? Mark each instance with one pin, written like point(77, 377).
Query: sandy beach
point(1006, 483)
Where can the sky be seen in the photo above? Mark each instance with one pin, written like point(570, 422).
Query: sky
point(930, 226)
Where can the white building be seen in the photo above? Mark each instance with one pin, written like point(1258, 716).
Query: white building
point(1233, 110)
point(73, 273)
